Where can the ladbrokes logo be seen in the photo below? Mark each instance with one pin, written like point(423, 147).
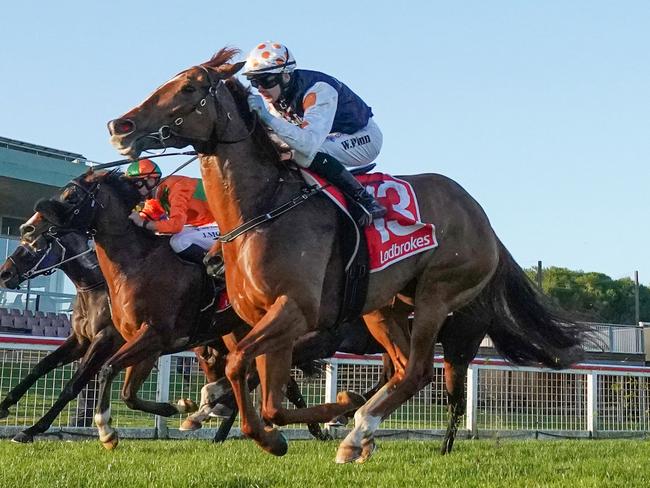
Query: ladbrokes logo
point(398, 250)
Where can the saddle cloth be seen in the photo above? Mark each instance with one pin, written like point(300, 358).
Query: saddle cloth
point(400, 233)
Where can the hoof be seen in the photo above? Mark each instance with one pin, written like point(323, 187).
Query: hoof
point(368, 447)
point(221, 411)
point(112, 442)
point(347, 453)
point(23, 438)
point(190, 425)
point(350, 399)
point(274, 442)
point(447, 445)
point(340, 421)
point(4, 412)
point(185, 405)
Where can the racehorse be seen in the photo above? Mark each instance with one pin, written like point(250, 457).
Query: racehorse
point(285, 276)
point(179, 315)
point(93, 337)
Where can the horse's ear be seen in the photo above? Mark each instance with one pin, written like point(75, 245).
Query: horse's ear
point(51, 210)
point(228, 70)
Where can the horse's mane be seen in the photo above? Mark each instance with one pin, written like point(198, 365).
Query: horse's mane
point(126, 192)
point(113, 178)
point(240, 95)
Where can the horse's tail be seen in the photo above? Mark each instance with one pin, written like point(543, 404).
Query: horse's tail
point(524, 327)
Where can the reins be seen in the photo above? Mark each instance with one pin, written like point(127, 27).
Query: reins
point(305, 193)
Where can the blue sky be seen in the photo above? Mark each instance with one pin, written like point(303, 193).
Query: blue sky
point(540, 110)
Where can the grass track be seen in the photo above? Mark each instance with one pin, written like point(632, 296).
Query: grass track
point(583, 463)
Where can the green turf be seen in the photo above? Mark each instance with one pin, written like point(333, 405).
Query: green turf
point(309, 463)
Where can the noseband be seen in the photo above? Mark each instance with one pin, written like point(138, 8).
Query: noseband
point(34, 271)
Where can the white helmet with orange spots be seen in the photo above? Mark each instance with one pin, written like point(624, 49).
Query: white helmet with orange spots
point(269, 57)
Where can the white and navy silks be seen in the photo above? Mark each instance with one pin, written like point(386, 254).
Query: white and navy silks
point(320, 114)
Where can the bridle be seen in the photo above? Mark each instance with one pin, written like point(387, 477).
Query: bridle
point(166, 131)
point(89, 194)
point(35, 270)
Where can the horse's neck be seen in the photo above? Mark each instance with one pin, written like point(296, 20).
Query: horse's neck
point(84, 271)
point(118, 254)
point(241, 187)
point(240, 178)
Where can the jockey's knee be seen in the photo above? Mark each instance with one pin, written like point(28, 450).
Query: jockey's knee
point(178, 242)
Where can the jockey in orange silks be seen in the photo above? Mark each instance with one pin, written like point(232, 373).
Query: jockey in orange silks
point(182, 201)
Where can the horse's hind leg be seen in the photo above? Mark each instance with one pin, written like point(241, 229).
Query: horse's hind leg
point(133, 380)
point(73, 348)
point(295, 396)
point(102, 346)
point(461, 337)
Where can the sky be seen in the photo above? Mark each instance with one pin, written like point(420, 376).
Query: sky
point(540, 109)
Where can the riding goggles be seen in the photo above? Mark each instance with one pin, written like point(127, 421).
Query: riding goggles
point(265, 81)
point(145, 181)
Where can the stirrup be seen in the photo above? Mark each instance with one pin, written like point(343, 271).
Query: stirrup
point(369, 214)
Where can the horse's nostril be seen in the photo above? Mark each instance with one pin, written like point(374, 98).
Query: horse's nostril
point(5, 275)
point(26, 229)
point(120, 126)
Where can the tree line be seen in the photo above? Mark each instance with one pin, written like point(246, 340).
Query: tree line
point(594, 296)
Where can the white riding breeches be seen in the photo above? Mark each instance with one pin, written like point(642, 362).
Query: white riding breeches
point(203, 236)
point(356, 149)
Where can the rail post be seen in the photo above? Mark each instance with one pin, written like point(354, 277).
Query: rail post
point(472, 400)
point(162, 393)
point(592, 403)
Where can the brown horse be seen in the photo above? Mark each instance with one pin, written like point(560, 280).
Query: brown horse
point(285, 276)
point(178, 316)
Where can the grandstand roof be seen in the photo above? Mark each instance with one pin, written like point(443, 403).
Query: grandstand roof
point(29, 172)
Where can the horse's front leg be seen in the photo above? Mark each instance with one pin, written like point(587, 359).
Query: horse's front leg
point(103, 346)
point(273, 370)
point(73, 348)
point(282, 323)
point(145, 345)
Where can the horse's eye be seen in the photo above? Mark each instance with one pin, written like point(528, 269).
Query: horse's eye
point(70, 196)
point(188, 89)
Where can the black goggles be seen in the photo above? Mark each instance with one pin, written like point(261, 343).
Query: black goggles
point(143, 181)
point(266, 81)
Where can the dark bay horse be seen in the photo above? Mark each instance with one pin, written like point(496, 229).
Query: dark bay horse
point(93, 338)
point(285, 277)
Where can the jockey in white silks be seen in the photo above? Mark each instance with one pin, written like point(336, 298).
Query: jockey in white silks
point(324, 123)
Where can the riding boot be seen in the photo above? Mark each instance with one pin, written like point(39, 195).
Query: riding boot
point(330, 168)
point(215, 267)
point(193, 254)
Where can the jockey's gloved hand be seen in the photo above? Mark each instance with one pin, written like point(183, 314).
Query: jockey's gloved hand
point(137, 219)
point(257, 104)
